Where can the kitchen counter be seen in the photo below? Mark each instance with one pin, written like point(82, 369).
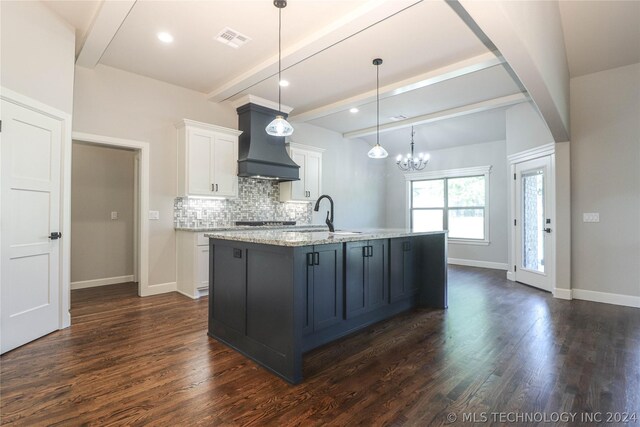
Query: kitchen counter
point(308, 236)
point(276, 294)
point(248, 227)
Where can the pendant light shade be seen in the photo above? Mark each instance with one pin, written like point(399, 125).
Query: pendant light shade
point(279, 126)
point(378, 151)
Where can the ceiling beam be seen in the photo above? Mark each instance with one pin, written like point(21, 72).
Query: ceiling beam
point(370, 13)
point(451, 71)
point(105, 25)
point(490, 104)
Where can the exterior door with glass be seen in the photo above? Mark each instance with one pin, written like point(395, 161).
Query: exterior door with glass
point(533, 223)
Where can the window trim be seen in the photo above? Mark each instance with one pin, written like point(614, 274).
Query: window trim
point(453, 173)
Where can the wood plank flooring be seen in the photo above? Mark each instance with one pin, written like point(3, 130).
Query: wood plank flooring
point(500, 347)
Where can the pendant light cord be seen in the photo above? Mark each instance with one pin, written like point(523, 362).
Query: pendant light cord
point(279, 58)
point(378, 104)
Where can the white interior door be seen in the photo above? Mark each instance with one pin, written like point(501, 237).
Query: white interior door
point(30, 288)
point(534, 257)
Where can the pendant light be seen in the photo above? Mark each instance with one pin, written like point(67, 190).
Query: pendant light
point(378, 152)
point(279, 126)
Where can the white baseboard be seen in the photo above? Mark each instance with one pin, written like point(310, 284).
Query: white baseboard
point(101, 282)
point(606, 297)
point(160, 288)
point(511, 276)
point(482, 264)
point(563, 293)
point(202, 292)
point(186, 294)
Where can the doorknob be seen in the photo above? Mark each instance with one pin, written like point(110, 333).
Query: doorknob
point(55, 235)
point(547, 230)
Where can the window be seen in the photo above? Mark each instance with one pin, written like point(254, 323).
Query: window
point(444, 201)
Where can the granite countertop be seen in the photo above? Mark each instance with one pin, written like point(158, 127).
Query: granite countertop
point(249, 228)
point(282, 237)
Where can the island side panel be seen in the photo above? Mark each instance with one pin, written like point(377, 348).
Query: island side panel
point(270, 326)
point(432, 270)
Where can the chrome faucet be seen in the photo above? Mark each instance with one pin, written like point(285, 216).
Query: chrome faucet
point(329, 219)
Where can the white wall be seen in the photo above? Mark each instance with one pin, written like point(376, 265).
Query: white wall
point(101, 182)
point(37, 53)
point(605, 175)
point(526, 129)
point(116, 103)
point(353, 180)
point(490, 153)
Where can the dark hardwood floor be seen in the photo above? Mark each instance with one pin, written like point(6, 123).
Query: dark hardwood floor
point(501, 347)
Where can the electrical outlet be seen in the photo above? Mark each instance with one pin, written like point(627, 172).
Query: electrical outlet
point(154, 215)
point(114, 215)
point(591, 217)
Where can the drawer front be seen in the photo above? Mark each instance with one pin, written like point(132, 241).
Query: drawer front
point(201, 240)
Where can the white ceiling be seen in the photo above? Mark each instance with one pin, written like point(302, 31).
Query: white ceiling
point(600, 35)
point(328, 46)
point(78, 13)
point(476, 128)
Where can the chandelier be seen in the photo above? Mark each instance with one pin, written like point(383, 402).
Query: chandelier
point(411, 162)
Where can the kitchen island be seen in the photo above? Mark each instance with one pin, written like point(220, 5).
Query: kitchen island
point(276, 294)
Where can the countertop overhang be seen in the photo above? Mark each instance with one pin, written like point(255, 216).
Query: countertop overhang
point(293, 238)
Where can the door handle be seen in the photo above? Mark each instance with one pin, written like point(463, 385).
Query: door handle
point(547, 230)
point(365, 251)
point(310, 259)
point(216, 187)
point(213, 187)
point(316, 258)
point(55, 235)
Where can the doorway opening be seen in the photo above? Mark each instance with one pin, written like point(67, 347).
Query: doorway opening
point(110, 228)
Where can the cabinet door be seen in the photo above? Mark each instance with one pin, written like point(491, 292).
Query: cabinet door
point(298, 190)
point(307, 326)
point(229, 286)
point(327, 286)
point(202, 263)
point(378, 270)
point(225, 166)
point(402, 265)
point(200, 145)
point(355, 279)
point(313, 174)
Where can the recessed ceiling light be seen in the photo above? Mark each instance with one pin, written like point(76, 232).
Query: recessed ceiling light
point(354, 110)
point(165, 37)
point(284, 83)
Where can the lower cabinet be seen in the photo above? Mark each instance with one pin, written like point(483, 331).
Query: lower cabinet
point(192, 263)
point(402, 266)
point(367, 276)
point(323, 288)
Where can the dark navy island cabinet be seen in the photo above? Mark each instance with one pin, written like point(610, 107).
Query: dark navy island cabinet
point(273, 303)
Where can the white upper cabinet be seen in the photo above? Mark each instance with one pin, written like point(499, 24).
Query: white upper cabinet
point(207, 160)
point(309, 187)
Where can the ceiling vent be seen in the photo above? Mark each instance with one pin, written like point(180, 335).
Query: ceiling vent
point(232, 38)
point(398, 118)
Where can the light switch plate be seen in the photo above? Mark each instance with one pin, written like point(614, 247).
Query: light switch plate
point(114, 215)
point(591, 217)
point(154, 215)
